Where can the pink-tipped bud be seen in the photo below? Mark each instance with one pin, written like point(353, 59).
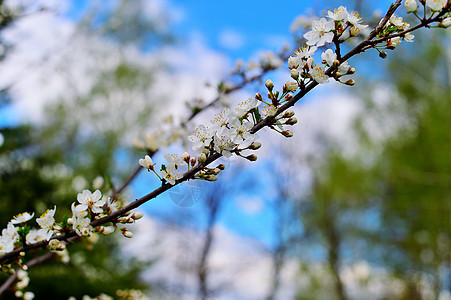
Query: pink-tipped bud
point(255, 146)
point(216, 171)
point(258, 97)
point(193, 161)
point(127, 233)
point(288, 114)
point(350, 82)
point(269, 85)
point(251, 157)
point(186, 157)
point(291, 121)
point(221, 167)
point(350, 71)
point(294, 74)
point(288, 96)
point(125, 220)
point(287, 133)
point(137, 215)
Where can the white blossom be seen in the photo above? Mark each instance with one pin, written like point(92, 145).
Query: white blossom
point(269, 110)
point(411, 5)
point(344, 67)
point(224, 143)
point(81, 221)
point(220, 120)
point(320, 33)
point(436, 5)
point(397, 21)
point(22, 218)
point(46, 222)
point(201, 138)
point(240, 132)
point(246, 106)
point(291, 86)
point(306, 52)
point(354, 19)
point(171, 174)
point(339, 14)
point(329, 57)
point(318, 74)
point(91, 200)
point(146, 162)
point(174, 160)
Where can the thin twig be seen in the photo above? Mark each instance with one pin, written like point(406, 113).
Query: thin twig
point(31, 263)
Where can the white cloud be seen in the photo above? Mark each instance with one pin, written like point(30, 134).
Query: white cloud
point(231, 39)
point(250, 205)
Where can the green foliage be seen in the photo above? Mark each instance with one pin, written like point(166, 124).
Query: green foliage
point(395, 212)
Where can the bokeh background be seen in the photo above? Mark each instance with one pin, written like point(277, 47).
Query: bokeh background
point(356, 205)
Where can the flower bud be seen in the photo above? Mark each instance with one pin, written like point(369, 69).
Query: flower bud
point(193, 161)
point(350, 71)
point(251, 157)
point(205, 151)
point(211, 177)
point(127, 233)
point(186, 157)
point(106, 230)
point(137, 215)
point(350, 82)
point(269, 85)
point(291, 121)
point(393, 43)
point(287, 133)
point(202, 158)
point(336, 63)
point(445, 22)
point(24, 267)
point(21, 253)
point(28, 296)
point(70, 221)
point(383, 54)
point(221, 167)
point(18, 294)
point(411, 5)
point(125, 220)
point(258, 97)
point(288, 97)
point(310, 62)
point(255, 146)
point(288, 114)
point(294, 74)
point(216, 171)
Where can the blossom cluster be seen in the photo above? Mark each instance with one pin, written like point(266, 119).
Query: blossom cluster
point(230, 132)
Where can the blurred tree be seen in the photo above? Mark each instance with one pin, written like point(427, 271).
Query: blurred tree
point(389, 204)
point(81, 136)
